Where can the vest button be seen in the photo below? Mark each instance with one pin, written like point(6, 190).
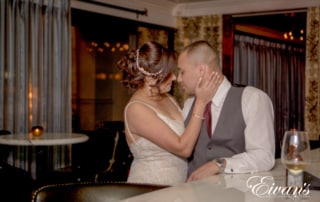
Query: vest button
point(209, 148)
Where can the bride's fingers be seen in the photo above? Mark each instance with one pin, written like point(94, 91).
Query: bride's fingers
point(199, 81)
point(212, 79)
point(208, 80)
point(201, 78)
point(216, 81)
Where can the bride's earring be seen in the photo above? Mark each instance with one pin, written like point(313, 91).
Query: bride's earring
point(150, 82)
point(150, 89)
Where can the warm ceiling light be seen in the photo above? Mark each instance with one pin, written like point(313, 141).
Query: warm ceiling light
point(101, 76)
point(94, 44)
point(106, 44)
point(117, 76)
point(126, 46)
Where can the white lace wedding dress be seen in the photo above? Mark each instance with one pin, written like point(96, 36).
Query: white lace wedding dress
point(152, 164)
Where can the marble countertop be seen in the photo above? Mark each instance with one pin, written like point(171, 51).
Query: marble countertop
point(250, 187)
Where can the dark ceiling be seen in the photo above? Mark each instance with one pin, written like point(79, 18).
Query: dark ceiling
point(101, 25)
point(283, 22)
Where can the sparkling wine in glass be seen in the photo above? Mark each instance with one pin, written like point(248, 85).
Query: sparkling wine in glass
point(295, 155)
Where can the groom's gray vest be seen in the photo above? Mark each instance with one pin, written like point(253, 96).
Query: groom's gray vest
point(227, 138)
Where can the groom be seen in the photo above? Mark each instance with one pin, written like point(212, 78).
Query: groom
point(240, 135)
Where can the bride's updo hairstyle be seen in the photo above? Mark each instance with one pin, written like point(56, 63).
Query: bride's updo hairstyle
point(151, 59)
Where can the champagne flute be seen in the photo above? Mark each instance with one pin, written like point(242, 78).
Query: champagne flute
point(295, 155)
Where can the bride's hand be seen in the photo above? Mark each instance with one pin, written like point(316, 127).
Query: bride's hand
point(207, 86)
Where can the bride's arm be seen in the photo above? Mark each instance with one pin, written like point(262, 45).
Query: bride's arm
point(144, 122)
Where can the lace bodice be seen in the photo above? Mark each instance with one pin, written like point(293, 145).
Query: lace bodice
point(152, 164)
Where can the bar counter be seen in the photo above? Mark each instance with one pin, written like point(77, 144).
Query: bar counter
point(252, 187)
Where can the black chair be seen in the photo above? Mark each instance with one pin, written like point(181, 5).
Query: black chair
point(120, 158)
point(90, 191)
point(4, 150)
point(15, 184)
point(104, 157)
point(4, 132)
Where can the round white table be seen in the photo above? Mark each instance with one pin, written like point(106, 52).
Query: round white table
point(39, 154)
point(46, 139)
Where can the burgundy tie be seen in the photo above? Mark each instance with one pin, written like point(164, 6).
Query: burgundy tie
point(207, 116)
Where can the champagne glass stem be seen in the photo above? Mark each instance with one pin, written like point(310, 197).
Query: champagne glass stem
point(295, 180)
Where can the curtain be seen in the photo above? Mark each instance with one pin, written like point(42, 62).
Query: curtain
point(278, 69)
point(35, 71)
point(312, 109)
point(190, 29)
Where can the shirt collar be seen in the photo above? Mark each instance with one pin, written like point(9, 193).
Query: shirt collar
point(221, 93)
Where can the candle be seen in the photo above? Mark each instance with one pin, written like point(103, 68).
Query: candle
point(37, 130)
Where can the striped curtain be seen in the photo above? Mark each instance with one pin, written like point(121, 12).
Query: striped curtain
point(35, 73)
point(278, 69)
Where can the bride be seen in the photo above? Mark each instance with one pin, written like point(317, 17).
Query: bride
point(154, 126)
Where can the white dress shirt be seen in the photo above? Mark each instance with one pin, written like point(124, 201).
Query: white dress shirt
point(258, 115)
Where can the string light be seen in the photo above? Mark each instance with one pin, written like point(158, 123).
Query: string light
point(293, 34)
point(107, 46)
point(95, 47)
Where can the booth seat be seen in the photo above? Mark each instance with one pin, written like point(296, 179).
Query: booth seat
point(90, 191)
